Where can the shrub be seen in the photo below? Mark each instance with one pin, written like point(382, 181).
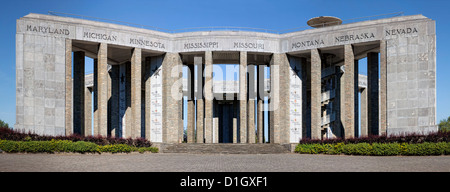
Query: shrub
point(116, 148)
point(151, 149)
point(378, 149)
point(386, 149)
point(9, 134)
point(68, 146)
point(440, 136)
point(358, 149)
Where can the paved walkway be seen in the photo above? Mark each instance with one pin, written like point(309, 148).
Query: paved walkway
point(218, 162)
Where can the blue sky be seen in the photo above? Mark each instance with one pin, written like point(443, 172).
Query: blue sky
point(170, 14)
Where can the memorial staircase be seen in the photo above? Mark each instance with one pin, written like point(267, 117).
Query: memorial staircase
point(224, 148)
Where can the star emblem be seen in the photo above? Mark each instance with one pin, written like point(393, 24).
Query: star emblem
point(156, 71)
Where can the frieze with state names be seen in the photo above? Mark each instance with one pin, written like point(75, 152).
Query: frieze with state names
point(314, 41)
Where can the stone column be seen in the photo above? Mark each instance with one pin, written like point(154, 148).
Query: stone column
point(383, 87)
point(364, 113)
point(200, 102)
point(260, 119)
point(136, 78)
point(208, 97)
point(102, 88)
point(172, 98)
point(372, 93)
point(251, 121)
point(68, 105)
point(316, 77)
point(190, 106)
point(87, 112)
point(279, 98)
point(251, 103)
point(215, 129)
point(78, 92)
point(348, 110)
point(243, 96)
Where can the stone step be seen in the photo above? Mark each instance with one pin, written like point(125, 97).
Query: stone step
point(224, 148)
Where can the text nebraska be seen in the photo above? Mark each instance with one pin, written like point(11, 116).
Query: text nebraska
point(354, 37)
point(48, 30)
point(147, 43)
point(308, 43)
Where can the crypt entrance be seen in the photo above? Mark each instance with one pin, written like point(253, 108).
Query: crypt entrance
point(225, 119)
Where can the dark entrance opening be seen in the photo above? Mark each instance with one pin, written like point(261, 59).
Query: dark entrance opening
point(226, 113)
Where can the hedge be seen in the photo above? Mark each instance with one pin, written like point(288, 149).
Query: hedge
point(435, 137)
point(377, 149)
point(14, 135)
point(53, 146)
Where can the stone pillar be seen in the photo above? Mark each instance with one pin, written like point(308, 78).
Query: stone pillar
point(215, 129)
point(243, 97)
point(200, 102)
point(251, 104)
point(279, 98)
point(316, 77)
point(383, 88)
point(372, 94)
point(172, 98)
point(251, 121)
point(78, 92)
point(208, 97)
point(68, 105)
point(136, 78)
point(102, 88)
point(87, 112)
point(260, 120)
point(364, 113)
point(190, 106)
point(348, 110)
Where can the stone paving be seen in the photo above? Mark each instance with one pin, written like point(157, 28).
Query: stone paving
point(168, 162)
